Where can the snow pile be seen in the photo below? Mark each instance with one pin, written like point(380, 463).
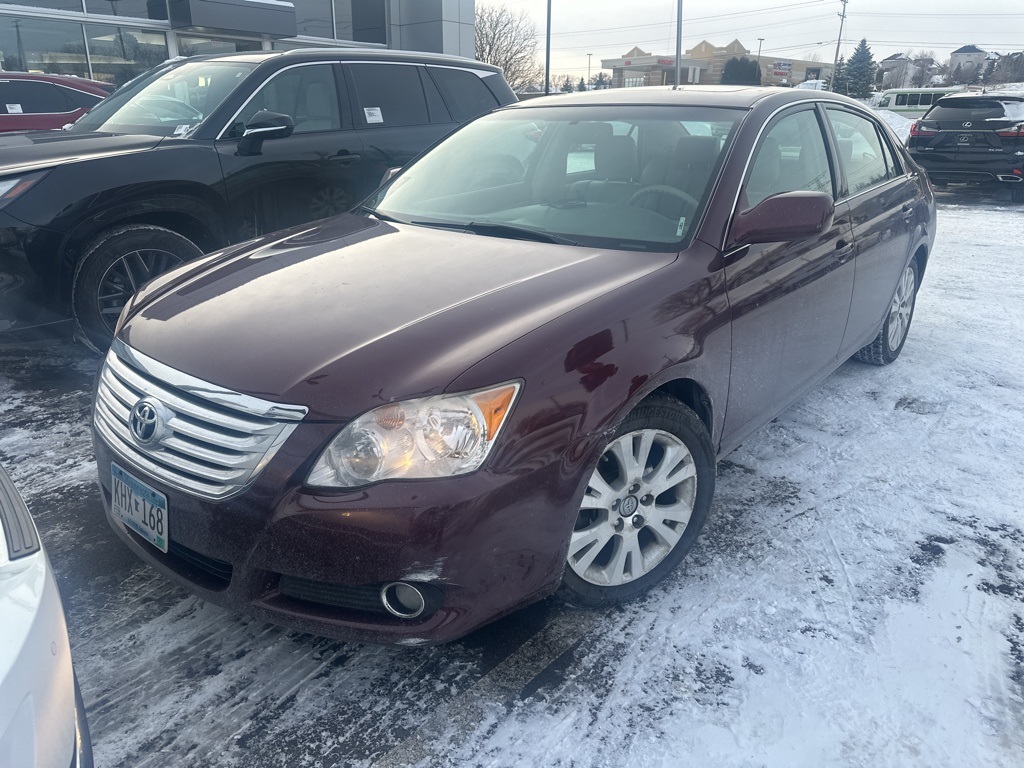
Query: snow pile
point(899, 124)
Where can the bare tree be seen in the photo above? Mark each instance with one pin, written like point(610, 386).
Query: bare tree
point(509, 41)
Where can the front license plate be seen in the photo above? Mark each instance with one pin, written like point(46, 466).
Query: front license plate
point(141, 508)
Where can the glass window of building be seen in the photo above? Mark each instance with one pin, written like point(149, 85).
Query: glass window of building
point(200, 46)
point(38, 45)
point(56, 5)
point(136, 9)
point(313, 18)
point(119, 53)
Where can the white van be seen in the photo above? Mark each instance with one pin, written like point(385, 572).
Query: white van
point(912, 102)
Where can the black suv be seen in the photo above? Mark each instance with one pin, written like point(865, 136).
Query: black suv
point(973, 138)
point(208, 151)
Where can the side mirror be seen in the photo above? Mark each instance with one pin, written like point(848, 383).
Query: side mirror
point(786, 216)
point(389, 174)
point(262, 126)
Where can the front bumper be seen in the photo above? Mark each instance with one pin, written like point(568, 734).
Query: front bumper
point(315, 560)
point(29, 298)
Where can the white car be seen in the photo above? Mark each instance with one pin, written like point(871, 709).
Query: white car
point(42, 718)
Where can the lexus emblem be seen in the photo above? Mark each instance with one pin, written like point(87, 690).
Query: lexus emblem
point(968, 124)
point(148, 421)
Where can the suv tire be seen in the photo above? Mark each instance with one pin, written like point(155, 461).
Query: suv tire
point(115, 265)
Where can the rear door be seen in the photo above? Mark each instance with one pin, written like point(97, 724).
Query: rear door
point(789, 300)
point(314, 173)
point(884, 201)
point(397, 111)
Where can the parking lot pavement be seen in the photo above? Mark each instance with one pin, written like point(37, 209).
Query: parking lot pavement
point(857, 596)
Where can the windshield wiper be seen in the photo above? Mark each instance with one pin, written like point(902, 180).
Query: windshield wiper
point(495, 229)
point(382, 216)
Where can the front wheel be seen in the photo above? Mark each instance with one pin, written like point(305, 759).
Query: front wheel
point(114, 267)
point(888, 344)
point(645, 504)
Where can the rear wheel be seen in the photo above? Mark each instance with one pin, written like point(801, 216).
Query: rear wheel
point(888, 344)
point(645, 504)
point(1017, 193)
point(114, 267)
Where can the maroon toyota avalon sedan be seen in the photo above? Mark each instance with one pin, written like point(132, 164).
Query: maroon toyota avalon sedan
point(513, 370)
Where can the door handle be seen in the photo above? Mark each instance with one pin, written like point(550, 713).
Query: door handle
point(346, 158)
point(844, 250)
point(907, 212)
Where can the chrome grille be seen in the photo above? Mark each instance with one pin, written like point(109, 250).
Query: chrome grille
point(215, 441)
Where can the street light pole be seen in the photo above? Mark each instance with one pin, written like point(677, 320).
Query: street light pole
point(588, 69)
point(547, 56)
point(679, 42)
point(759, 41)
point(835, 61)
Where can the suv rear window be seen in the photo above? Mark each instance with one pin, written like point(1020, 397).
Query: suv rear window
point(967, 109)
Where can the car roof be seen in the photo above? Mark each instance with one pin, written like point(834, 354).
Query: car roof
point(350, 54)
point(730, 96)
point(69, 80)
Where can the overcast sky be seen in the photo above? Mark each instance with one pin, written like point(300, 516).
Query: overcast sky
point(610, 28)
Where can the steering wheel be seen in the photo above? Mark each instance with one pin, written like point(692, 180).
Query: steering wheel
point(664, 189)
point(172, 106)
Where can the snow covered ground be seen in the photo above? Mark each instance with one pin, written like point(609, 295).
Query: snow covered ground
point(857, 597)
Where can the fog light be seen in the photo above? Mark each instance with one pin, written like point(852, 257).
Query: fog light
point(403, 600)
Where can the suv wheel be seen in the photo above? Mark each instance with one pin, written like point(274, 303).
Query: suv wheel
point(114, 267)
point(645, 505)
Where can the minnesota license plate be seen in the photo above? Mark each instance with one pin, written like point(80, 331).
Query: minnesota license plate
point(141, 508)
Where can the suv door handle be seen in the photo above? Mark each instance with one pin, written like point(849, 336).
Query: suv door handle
point(844, 250)
point(907, 212)
point(346, 158)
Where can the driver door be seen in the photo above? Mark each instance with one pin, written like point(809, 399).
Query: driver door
point(306, 176)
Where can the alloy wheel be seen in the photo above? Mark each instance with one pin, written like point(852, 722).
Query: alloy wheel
point(123, 278)
point(901, 309)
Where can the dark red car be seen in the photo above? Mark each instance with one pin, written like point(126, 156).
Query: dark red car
point(30, 102)
point(513, 372)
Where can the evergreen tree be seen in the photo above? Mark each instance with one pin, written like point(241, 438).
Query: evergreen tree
point(740, 71)
point(601, 81)
point(839, 82)
point(581, 85)
point(860, 71)
point(957, 78)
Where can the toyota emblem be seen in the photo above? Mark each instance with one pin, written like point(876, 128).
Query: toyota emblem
point(968, 124)
point(148, 421)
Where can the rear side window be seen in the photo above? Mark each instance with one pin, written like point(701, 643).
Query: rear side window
point(388, 95)
point(464, 92)
point(81, 99)
point(861, 151)
point(28, 98)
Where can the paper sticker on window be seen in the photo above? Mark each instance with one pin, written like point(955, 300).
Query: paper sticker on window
point(681, 226)
point(15, 109)
point(180, 129)
point(373, 115)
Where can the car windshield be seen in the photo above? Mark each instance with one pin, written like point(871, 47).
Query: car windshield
point(168, 101)
point(625, 177)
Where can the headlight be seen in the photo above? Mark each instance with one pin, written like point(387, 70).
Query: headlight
point(428, 437)
point(13, 187)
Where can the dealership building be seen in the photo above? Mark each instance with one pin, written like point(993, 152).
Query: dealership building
point(115, 40)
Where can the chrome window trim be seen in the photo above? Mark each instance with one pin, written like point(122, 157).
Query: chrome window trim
point(199, 388)
point(262, 85)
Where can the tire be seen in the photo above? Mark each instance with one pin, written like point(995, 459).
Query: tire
point(634, 528)
point(1017, 193)
point(888, 344)
point(115, 265)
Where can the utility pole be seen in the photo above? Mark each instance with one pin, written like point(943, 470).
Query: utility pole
point(759, 41)
point(679, 43)
point(588, 69)
point(547, 55)
point(835, 61)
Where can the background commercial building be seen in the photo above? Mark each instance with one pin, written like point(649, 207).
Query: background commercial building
point(115, 40)
point(704, 64)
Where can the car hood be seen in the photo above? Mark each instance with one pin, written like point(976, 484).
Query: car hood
point(355, 312)
point(38, 150)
